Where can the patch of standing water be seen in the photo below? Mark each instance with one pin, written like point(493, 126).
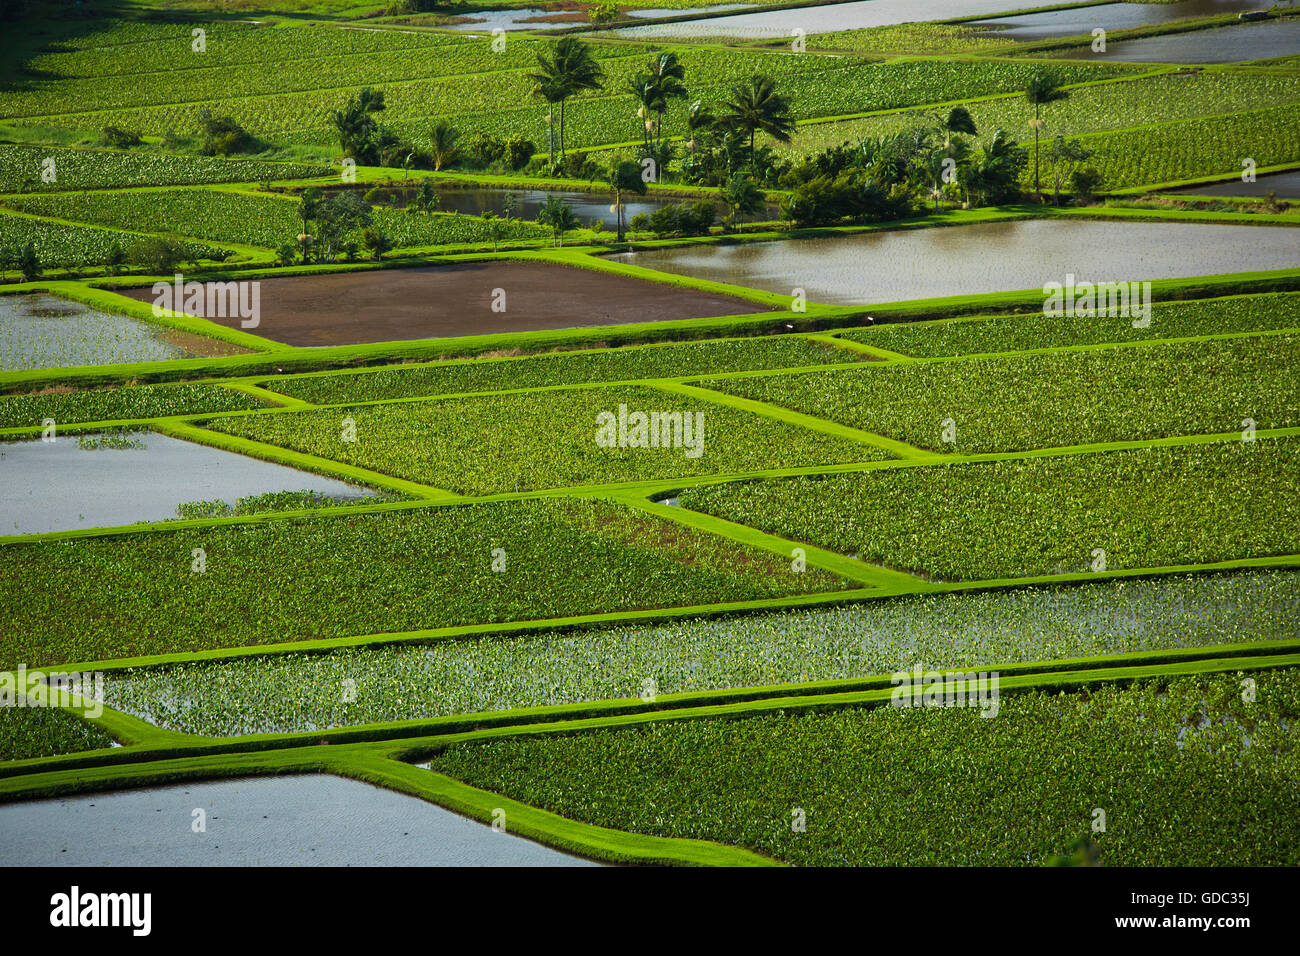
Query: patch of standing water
point(1231, 44)
point(41, 331)
point(1077, 21)
point(307, 820)
point(525, 203)
point(827, 18)
point(535, 18)
point(63, 485)
point(896, 265)
point(1285, 185)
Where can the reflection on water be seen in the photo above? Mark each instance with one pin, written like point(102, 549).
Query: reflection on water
point(586, 206)
point(61, 486)
point(40, 331)
point(1229, 44)
point(823, 19)
point(535, 18)
point(302, 820)
point(1286, 185)
point(1111, 16)
point(990, 257)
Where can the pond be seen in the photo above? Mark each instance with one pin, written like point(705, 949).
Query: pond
point(586, 206)
point(823, 19)
point(890, 266)
point(41, 331)
point(535, 18)
point(301, 820)
point(1052, 24)
point(1285, 185)
point(1230, 44)
point(62, 486)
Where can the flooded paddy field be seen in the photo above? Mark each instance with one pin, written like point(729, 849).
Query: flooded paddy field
point(890, 266)
point(66, 484)
point(43, 331)
point(307, 820)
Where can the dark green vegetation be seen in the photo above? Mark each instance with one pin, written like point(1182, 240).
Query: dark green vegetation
point(899, 786)
point(27, 732)
point(571, 368)
point(301, 692)
point(1010, 333)
point(548, 439)
point(1146, 507)
point(100, 405)
point(284, 580)
point(1014, 403)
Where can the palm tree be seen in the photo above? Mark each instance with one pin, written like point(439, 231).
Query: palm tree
point(556, 213)
point(755, 105)
point(648, 98)
point(569, 70)
point(549, 85)
point(1043, 88)
point(624, 177)
point(666, 73)
point(443, 143)
point(741, 197)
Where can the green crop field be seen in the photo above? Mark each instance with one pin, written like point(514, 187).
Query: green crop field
point(650, 451)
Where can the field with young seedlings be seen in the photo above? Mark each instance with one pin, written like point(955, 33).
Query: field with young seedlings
point(822, 503)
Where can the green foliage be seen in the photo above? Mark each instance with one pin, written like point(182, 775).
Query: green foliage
point(562, 368)
point(1021, 402)
point(27, 732)
point(302, 692)
point(110, 404)
point(897, 786)
point(20, 168)
point(56, 244)
point(1147, 507)
point(270, 502)
point(530, 441)
point(1033, 330)
point(296, 579)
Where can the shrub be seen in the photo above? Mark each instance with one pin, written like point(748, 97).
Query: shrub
point(682, 219)
point(118, 138)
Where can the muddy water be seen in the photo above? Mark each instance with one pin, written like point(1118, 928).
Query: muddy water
point(1286, 185)
point(992, 257)
point(535, 18)
point(41, 331)
point(1230, 44)
point(1110, 17)
point(310, 820)
point(856, 15)
point(60, 486)
point(586, 206)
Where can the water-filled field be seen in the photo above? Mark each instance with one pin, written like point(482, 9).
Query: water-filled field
point(42, 331)
point(1110, 16)
point(94, 481)
point(962, 260)
point(308, 820)
point(1230, 44)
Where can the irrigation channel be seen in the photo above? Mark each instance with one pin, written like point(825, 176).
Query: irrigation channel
point(306, 820)
point(891, 266)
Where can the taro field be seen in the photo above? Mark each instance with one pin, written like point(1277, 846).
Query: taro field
point(802, 436)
